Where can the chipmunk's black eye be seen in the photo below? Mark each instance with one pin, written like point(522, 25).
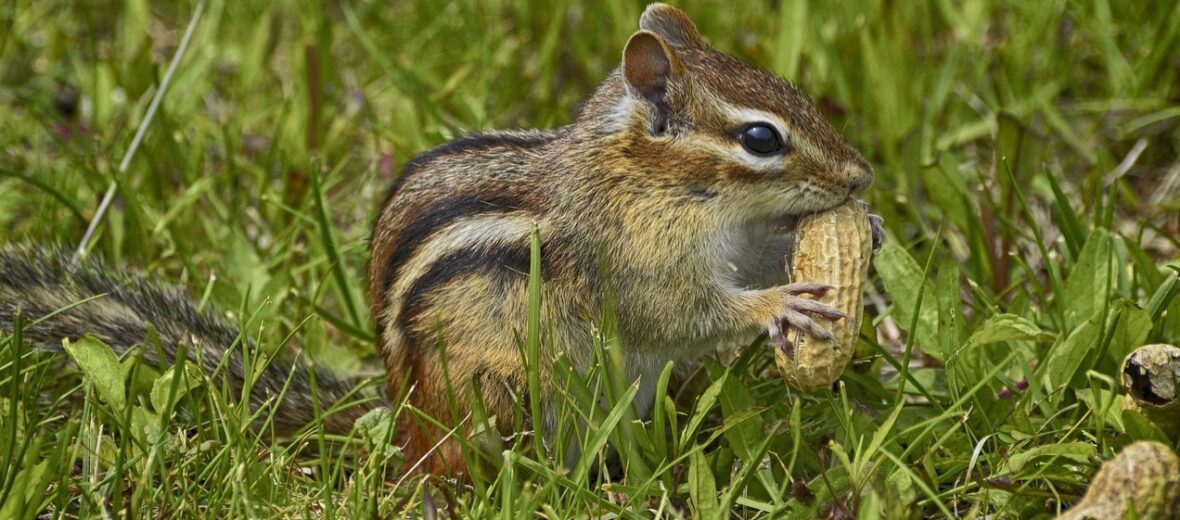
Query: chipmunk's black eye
point(761, 139)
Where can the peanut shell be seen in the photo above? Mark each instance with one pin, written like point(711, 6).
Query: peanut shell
point(1150, 376)
point(1144, 476)
point(834, 248)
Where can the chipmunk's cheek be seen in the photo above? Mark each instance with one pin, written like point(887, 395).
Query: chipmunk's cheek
point(739, 172)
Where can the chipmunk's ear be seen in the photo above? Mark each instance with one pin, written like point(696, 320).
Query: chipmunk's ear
point(673, 25)
point(649, 64)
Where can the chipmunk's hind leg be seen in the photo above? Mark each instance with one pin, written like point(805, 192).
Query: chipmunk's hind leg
point(472, 400)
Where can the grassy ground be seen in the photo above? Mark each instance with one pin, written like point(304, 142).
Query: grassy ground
point(1028, 173)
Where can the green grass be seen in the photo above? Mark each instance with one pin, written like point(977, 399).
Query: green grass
point(1027, 169)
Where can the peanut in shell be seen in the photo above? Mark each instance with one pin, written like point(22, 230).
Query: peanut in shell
point(834, 248)
point(1144, 477)
point(1151, 378)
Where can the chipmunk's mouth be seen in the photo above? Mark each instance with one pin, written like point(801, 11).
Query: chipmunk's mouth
point(815, 202)
point(790, 220)
point(815, 199)
point(799, 201)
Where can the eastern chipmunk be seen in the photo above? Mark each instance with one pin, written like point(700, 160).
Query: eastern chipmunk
point(675, 173)
point(675, 176)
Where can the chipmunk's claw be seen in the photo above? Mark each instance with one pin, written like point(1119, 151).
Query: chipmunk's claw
point(798, 314)
point(813, 289)
point(791, 319)
point(779, 340)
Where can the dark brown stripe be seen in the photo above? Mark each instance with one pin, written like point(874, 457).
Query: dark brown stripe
point(426, 225)
point(501, 260)
point(443, 213)
point(469, 143)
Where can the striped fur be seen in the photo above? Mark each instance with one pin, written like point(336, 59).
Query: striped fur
point(649, 180)
point(119, 307)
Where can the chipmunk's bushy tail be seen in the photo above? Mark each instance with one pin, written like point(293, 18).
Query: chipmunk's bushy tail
point(117, 307)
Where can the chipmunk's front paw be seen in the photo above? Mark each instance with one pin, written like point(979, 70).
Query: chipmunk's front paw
point(798, 312)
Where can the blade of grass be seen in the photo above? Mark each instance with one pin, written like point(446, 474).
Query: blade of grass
point(533, 365)
point(140, 132)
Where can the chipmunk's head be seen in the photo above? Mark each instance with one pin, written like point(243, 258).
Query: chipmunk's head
point(742, 131)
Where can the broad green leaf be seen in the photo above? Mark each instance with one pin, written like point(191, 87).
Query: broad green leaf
point(378, 429)
point(1130, 333)
point(27, 487)
point(147, 423)
point(740, 484)
point(948, 191)
point(1091, 278)
point(249, 274)
point(1140, 428)
point(901, 483)
point(1078, 452)
point(951, 325)
point(903, 279)
point(1004, 327)
point(702, 487)
point(162, 387)
point(102, 369)
point(1131, 326)
point(1067, 355)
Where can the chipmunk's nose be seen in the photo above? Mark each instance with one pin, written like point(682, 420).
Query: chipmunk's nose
point(859, 176)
